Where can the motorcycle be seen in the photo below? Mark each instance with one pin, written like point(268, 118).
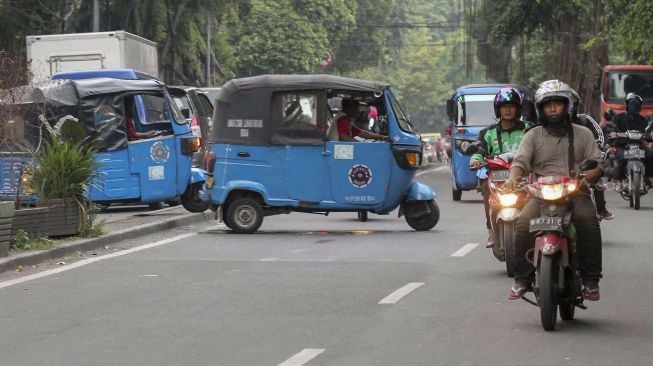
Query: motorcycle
point(557, 283)
point(633, 186)
point(504, 206)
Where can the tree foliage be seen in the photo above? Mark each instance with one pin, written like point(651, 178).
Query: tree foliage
point(421, 46)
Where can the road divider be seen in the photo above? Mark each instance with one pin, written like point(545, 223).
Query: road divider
point(394, 297)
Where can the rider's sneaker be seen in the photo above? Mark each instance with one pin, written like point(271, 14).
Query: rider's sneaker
point(591, 291)
point(490, 239)
point(605, 214)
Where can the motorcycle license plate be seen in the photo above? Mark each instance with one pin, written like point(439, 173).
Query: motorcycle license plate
point(499, 175)
point(634, 154)
point(545, 224)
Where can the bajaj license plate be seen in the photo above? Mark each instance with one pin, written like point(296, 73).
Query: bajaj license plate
point(499, 175)
point(634, 154)
point(209, 182)
point(545, 224)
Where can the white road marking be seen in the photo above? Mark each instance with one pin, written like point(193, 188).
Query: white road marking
point(302, 357)
point(269, 259)
point(464, 250)
point(92, 260)
point(431, 170)
point(394, 297)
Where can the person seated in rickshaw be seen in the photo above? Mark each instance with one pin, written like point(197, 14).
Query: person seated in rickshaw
point(347, 130)
point(132, 134)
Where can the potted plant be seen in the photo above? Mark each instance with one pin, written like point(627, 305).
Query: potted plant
point(61, 174)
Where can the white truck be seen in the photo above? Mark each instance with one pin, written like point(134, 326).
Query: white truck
point(50, 54)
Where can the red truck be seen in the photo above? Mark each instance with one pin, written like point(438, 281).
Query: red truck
point(619, 80)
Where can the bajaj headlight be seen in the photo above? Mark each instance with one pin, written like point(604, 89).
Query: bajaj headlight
point(508, 199)
point(552, 192)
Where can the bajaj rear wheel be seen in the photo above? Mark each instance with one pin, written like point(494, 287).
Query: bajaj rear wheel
point(244, 216)
point(362, 216)
point(548, 292)
point(456, 194)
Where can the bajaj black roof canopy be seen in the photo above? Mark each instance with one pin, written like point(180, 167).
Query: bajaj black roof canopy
point(247, 110)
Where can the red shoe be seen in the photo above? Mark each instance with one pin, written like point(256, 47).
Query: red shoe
point(605, 214)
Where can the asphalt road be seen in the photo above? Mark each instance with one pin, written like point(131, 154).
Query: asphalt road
point(314, 290)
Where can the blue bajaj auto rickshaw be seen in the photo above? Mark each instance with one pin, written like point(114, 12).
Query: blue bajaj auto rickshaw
point(142, 158)
point(275, 149)
point(471, 109)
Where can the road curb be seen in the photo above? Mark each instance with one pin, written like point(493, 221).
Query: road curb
point(66, 249)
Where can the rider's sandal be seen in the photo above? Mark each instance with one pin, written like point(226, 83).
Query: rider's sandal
point(517, 293)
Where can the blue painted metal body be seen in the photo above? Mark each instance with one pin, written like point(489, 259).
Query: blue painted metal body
point(317, 177)
point(462, 177)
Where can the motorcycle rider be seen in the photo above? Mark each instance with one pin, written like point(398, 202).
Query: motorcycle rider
point(503, 136)
point(599, 137)
point(628, 121)
point(545, 151)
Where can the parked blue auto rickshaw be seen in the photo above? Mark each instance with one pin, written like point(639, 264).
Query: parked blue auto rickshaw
point(471, 109)
point(132, 167)
point(267, 158)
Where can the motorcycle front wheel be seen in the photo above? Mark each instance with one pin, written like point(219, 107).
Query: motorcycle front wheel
point(507, 237)
point(548, 292)
point(636, 189)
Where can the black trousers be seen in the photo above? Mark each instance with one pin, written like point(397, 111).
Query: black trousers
point(486, 203)
point(599, 199)
point(588, 245)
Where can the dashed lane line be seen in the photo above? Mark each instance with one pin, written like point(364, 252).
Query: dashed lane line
point(302, 357)
point(464, 250)
point(394, 297)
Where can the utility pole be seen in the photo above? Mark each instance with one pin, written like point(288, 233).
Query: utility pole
point(96, 15)
point(208, 49)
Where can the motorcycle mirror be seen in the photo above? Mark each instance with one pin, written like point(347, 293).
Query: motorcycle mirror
point(588, 164)
point(608, 114)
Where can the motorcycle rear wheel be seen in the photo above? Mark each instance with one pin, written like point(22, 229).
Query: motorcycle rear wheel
point(636, 189)
point(507, 237)
point(548, 292)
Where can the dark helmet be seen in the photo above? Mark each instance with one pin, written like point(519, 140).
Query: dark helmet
point(632, 97)
point(506, 96)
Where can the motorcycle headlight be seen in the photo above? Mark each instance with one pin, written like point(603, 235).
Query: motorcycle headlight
point(571, 187)
point(552, 192)
point(508, 199)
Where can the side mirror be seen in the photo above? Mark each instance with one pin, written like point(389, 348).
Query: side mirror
point(450, 109)
point(185, 112)
point(588, 164)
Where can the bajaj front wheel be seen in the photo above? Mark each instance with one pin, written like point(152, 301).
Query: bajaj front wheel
point(244, 216)
point(191, 200)
point(421, 215)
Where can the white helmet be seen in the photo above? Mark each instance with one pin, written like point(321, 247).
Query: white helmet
point(556, 90)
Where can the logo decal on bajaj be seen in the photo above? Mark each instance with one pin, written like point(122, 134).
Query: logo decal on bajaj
point(360, 175)
point(159, 152)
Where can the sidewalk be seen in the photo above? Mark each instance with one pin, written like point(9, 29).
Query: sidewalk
point(139, 224)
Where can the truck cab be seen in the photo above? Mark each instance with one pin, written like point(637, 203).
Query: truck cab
point(619, 80)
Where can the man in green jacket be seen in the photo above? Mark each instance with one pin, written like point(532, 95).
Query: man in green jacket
point(502, 137)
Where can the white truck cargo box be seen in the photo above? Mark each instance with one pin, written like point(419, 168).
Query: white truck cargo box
point(50, 54)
